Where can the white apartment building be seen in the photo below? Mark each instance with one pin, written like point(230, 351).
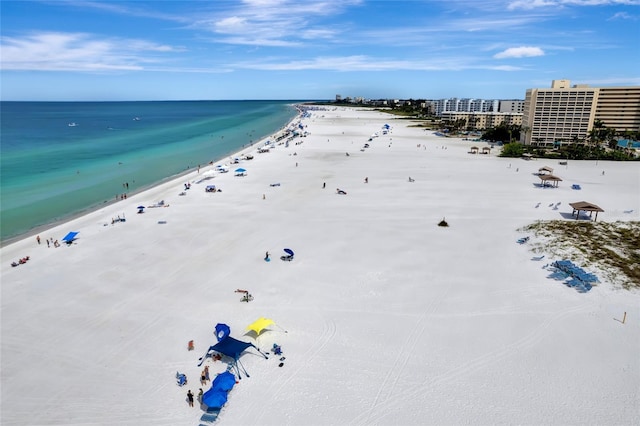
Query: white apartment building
point(464, 105)
point(567, 113)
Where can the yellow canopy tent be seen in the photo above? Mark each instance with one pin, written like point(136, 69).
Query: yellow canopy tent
point(259, 325)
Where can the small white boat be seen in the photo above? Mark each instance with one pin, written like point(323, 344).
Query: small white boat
point(72, 124)
point(136, 118)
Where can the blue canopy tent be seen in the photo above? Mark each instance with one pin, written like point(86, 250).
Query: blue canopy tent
point(233, 349)
point(70, 237)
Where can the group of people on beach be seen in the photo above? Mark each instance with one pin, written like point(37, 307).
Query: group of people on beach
point(204, 378)
point(50, 242)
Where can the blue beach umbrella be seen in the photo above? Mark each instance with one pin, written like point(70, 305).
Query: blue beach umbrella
point(240, 170)
point(288, 251)
point(214, 398)
point(224, 382)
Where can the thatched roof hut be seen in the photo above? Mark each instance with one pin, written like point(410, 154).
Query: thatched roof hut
point(585, 206)
point(553, 179)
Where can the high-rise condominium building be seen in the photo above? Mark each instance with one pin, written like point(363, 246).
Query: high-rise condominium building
point(567, 113)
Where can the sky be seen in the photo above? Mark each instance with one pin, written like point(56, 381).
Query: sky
point(59, 50)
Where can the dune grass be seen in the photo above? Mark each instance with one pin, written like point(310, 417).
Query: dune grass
point(611, 250)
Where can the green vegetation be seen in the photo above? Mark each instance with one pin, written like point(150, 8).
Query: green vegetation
point(513, 149)
point(611, 250)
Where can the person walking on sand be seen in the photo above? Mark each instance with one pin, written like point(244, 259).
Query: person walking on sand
point(203, 378)
point(200, 393)
point(38, 237)
point(190, 398)
point(206, 373)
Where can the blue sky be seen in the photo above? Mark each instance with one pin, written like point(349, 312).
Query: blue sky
point(312, 49)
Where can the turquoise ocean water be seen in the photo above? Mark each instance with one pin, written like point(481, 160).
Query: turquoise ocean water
point(59, 159)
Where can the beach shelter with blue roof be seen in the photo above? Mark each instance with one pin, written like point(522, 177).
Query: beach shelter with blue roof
point(70, 237)
point(233, 349)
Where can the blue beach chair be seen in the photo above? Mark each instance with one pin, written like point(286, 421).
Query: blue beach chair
point(181, 379)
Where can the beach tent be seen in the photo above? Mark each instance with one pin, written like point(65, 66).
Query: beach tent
point(209, 174)
point(222, 331)
point(259, 325)
point(240, 172)
point(233, 349)
point(70, 237)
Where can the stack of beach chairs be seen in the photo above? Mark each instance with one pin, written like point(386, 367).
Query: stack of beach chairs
point(572, 275)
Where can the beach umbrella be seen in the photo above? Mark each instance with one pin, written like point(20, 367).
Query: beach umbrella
point(288, 251)
point(214, 398)
point(222, 331)
point(208, 174)
point(141, 207)
point(240, 170)
point(224, 382)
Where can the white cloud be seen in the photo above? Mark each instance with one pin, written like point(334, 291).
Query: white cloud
point(51, 51)
point(532, 4)
point(622, 15)
point(519, 52)
point(367, 63)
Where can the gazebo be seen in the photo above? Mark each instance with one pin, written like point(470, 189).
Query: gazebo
point(486, 150)
point(474, 150)
point(586, 207)
point(545, 170)
point(550, 177)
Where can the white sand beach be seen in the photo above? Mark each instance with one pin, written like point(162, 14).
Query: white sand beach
point(389, 318)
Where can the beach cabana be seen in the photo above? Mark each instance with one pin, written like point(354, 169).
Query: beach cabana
point(544, 170)
point(240, 172)
point(586, 207)
point(473, 150)
point(486, 150)
point(550, 178)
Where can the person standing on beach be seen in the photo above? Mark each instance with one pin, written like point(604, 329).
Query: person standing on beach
point(200, 393)
point(38, 239)
point(190, 398)
point(206, 373)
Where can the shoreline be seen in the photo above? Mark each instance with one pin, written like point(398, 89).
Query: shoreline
point(33, 232)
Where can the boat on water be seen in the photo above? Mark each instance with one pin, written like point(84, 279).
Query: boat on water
point(136, 118)
point(74, 124)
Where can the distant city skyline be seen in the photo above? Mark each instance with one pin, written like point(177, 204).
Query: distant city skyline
point(71, 50)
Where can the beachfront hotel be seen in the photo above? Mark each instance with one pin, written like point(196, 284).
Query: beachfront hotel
point(566, 113)
point(483, 120)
